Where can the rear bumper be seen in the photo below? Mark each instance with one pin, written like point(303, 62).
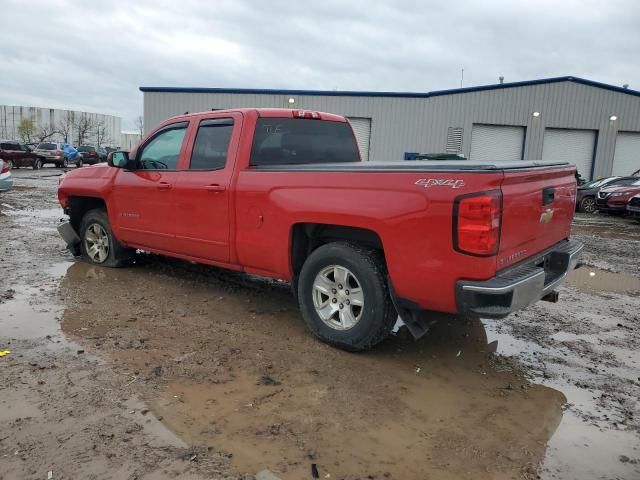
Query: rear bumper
point(521, 285)
point(6, 183)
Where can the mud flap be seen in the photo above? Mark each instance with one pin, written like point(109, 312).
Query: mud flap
point(417, 320)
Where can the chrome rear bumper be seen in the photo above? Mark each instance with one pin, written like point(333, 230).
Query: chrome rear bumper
point(521, 285)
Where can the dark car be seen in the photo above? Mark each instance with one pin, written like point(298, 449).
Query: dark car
point(92, 154)
point(586, 196)
point(20, 155)
point(614, 199)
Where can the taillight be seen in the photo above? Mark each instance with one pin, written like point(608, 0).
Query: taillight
point(476, 223)
point(4, 166)
point(306, 114)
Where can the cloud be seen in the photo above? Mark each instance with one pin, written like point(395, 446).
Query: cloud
point(94, 55)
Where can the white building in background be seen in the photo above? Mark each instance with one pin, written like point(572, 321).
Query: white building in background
point(53, 118)
point(128, 140)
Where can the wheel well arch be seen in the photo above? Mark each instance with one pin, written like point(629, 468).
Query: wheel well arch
point(306, 237)
point(78, 206)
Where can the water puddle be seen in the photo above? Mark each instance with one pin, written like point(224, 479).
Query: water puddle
point(596, 281)
point(29, 313)
point(592, 438)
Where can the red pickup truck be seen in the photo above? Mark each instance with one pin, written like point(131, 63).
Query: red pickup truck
point(284, 194)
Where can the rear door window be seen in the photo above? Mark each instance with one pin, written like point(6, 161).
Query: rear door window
point(212, 144)
point(292, 141)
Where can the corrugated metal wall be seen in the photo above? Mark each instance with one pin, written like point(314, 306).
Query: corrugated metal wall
point(401, 125)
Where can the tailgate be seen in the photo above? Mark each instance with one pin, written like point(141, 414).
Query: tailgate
point(537, 209)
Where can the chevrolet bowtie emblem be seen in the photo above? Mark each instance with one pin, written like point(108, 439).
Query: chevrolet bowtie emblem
point(546, 216)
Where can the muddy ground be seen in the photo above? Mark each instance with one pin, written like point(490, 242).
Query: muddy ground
point(166, 369)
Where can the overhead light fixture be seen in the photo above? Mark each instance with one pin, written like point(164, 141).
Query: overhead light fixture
point(292, 100)
point(536, 114)
point(613, 118)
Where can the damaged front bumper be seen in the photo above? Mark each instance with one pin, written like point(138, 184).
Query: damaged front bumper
point(521, 285)
point(69, 235)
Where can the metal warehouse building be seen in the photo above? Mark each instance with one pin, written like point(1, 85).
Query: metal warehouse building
point(594, 125)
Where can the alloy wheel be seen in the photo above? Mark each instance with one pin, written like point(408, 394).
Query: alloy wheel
point(96, 243)
point(338, 298)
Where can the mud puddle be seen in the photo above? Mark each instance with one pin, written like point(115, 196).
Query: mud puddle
point(227, 363)
point(596, 281)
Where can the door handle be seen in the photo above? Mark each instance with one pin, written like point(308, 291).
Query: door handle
point(215, 188)
point(163, 186)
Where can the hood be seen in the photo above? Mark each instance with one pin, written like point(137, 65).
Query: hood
point(623, 188)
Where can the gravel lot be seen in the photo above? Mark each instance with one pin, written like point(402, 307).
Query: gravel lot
point(166, 369)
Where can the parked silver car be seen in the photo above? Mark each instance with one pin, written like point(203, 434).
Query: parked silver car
point(6, 179)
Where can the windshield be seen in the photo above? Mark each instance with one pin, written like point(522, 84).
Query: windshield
point(47, 146)
point(598, 183)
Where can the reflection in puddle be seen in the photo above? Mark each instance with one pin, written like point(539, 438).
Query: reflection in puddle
point(594, 280)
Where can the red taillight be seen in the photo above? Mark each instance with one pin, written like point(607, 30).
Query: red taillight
point(476, 223)
point(4, 166)
point(306, 114)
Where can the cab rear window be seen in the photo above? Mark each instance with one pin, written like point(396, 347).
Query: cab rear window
point(292, 141)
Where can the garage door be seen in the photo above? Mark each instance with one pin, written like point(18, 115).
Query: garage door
point(496, 142)
point(362, 129)
point(573, 146)
point(626, 158)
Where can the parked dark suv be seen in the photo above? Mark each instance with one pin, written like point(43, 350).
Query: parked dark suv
point(92, 154)
point(19, 155)
point(586, 196)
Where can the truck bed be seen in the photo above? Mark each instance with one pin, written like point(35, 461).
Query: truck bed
point(414, 166)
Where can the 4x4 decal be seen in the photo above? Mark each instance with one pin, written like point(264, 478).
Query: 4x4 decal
point(440, 182)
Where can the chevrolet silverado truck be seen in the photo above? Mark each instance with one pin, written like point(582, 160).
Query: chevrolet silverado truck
point(284, 194)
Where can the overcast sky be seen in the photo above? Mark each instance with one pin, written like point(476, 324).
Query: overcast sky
point(93, 55)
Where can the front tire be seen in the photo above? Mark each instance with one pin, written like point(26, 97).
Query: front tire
point(79, 163)
point(344, 298)
point(37, 164)
point(588, 205)
point(97, 242)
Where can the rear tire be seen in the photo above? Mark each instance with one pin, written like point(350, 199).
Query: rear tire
point(11, 164)
point(98, 244)
point(344, 298)
point(587, 205)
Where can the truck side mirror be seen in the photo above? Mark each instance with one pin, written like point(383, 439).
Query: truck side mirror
point(119, 159)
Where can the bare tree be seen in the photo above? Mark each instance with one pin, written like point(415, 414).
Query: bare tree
point(101, 133)
point(139, 123)
point(83, 126)
point(65, 126)
point(26, 130)
point(45, 132)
